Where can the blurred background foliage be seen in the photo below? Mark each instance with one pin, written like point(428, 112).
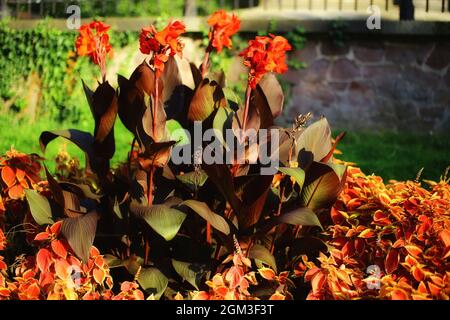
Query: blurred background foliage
point(40, 65)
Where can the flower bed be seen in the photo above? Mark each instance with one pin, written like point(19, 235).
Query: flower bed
point(232, 216)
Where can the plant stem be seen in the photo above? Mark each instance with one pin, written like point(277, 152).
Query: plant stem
point(155, 107)
point(204, 64)
point(247, 106)
point(207, 53)
point(280, 205)
point(150, 202)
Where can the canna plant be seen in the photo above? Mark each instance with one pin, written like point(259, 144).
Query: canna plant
point(170, 225)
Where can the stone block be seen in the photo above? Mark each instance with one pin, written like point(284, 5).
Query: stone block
point(344, 70)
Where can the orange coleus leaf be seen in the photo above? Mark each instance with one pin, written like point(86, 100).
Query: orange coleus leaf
point(56, 228)
point(33, 291)
point(434, 289)
point(444, 235)
point(93, 252)
point(368, 233)
point(99, 275)
point(59, 248)
point(399, 294)
point(267, 273)
point(392, 260)
point(20, 174)
point(99, 261)
point(42, 236)
point(417, 273)
point(413, 250)
point(8, 176)
point(15, 192)
point(62, 269)
point(44, 259)
point(277, 296)
point(317, 281)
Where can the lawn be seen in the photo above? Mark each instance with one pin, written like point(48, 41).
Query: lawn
point(391, 155)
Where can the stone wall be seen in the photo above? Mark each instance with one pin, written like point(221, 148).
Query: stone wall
point(374, 83)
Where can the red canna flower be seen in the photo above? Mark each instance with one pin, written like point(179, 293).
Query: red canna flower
point(162, 44)
point(93, 41)
point(265, 54)
point(223, 26)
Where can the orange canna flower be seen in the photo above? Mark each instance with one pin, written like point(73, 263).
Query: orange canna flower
point(265, 54)
point(93, 41)
point(223, 26)
point(162, 44)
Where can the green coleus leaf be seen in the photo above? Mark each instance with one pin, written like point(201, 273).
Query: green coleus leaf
point(164, 220)
point(80, 233)
point(39, 207)
point(297, 173)
point(300, 216)
point(153, 281)
point(323, 185)
point(262, 254)
point(202, 209)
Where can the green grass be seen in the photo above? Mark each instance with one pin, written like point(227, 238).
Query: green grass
point(397, 156)
point(390, 155)
point(25, 138)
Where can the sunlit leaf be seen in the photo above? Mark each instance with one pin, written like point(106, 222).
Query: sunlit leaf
point(323, 184)
point(297, 173)
point(80, 233)
point(39, 207)
point(164, 220)
point(202, 209)
point(315, 138)
point(263, 254)
point(153, 281)
point(300, 216)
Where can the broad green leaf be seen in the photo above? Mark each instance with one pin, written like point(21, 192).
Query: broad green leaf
point(113, 261)
point(164, 220)
point(84, 189)
point(80, 233)
point(323, 185)
point(153, 281)
point(297, 173)
point(202, 209)
point(315, 138)
point(300, 216)
point(263, 254)
point(39, 207)
point(195, 178)
point(184, 269)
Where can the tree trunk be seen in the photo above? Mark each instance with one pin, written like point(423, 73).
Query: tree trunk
point(406, 10)
point(190, 8)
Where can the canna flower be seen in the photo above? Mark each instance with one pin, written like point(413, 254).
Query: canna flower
point(93, 41)
point(162, 44)
point(265, 54)
point(223, 26)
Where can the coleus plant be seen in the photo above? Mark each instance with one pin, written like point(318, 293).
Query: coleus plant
point(172, 225)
